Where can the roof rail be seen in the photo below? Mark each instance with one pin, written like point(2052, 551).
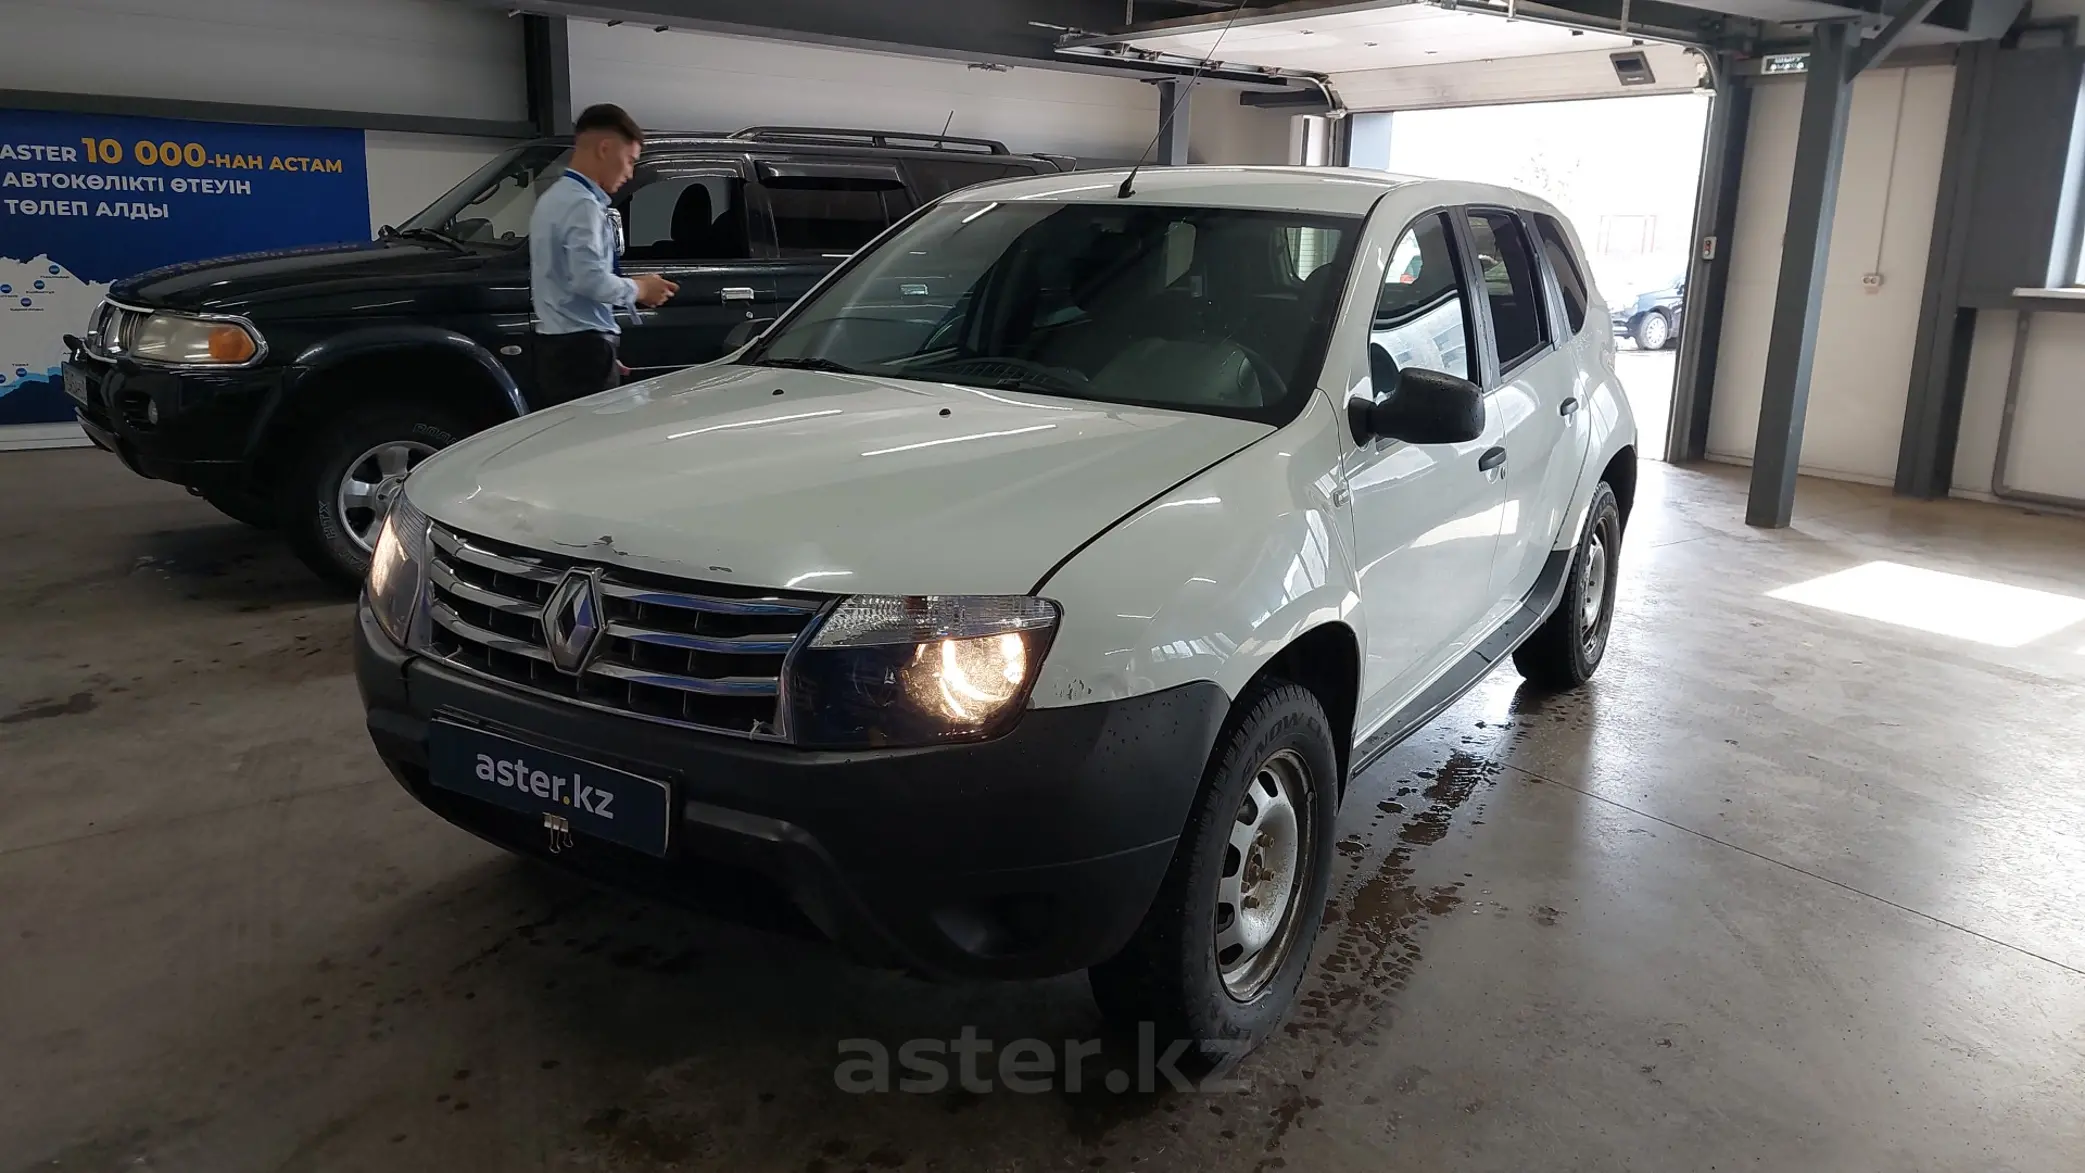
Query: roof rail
point(874, 138)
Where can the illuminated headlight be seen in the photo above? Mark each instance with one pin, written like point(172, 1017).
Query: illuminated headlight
point(179, 339)
point(395, 570)
point(890, 671)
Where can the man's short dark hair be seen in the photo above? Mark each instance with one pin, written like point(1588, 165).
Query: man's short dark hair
point(611, 118)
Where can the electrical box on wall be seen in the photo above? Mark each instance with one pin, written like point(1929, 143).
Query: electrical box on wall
point(1633, 68)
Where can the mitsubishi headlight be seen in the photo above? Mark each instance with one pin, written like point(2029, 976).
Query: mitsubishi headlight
point(396, 570)
point(889, 671)
point(186, 341)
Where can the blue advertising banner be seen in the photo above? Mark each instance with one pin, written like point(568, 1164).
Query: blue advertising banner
point(87, 199)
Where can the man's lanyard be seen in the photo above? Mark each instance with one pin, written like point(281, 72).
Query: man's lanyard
point(615, 256)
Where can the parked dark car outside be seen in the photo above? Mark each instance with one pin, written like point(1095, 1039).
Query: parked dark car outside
point(1651, 319)
point(295, 389)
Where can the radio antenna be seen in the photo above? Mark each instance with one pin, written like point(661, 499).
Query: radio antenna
point(1129, 182)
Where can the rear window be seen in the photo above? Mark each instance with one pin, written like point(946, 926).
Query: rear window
point(832, 216)
point(1556, 245)
point(937, 177)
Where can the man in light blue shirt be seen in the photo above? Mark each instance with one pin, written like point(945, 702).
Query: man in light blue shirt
point(573, 277)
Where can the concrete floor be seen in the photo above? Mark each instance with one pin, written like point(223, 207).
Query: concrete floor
point(1785, 889)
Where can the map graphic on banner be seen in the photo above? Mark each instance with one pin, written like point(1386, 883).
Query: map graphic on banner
point(87, 200)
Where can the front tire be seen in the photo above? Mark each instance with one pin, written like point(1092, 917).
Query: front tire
point(1653, 331)
point(1224, 945)
point(1567, 649)
point(351, 467)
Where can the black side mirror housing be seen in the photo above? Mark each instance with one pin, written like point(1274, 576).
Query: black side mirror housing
point(745, 332)
point(1419, 407)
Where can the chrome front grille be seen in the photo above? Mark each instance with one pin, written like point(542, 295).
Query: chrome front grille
point(703, 654)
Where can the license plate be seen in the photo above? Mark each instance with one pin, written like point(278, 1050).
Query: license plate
point(592, 800)
point(76, 384)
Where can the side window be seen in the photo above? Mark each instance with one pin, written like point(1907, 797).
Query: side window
point(688, 217)
point(1510, 285)
point(1422, 316)
point(831, 215)
point(937, 177)
point(1570, 281)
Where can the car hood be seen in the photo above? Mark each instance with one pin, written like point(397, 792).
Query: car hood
point(240, 284)
point(820, 482)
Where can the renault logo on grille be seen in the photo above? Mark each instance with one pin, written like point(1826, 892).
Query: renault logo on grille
point(572, 621)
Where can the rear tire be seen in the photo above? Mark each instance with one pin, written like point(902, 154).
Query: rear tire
point(1224, 945)
point(1567, 649)
point(335, 493)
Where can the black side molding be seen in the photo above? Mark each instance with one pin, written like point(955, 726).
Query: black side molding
point(1459, 679)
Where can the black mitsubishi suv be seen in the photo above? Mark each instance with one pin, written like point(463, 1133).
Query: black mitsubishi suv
point(295, 389)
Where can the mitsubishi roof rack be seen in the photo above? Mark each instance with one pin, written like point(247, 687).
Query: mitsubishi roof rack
point(874, 138)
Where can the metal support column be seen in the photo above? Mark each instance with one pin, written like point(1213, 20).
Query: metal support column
point(1805, 245)
point(1173, 99)
point(547, 70)
point(1715, 216)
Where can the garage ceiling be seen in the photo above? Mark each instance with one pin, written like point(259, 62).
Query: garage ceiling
point(1378, 38)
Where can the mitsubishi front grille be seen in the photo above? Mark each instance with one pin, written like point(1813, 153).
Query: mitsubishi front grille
point(708, 655)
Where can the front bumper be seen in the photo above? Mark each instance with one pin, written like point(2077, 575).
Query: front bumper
point(1031, 855)
point(207, 425)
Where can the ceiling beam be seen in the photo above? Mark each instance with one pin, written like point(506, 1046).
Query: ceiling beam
point(1906, 18)
point(1657, 20)
point(1002, 32)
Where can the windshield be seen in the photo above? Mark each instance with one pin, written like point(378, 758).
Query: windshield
point(493, 205)
point(1215, 310)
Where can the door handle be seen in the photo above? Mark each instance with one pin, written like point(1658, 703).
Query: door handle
point(739, 293)
point(1491, 460)
point(1569, 407)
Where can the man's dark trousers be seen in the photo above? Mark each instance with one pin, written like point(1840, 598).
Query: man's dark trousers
point(569, 366)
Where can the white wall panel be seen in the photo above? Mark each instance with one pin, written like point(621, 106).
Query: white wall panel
point(697, 81)
point(2048, 442)
point(1983, 402)
point(431, 57)
point(1883, 222)
point(1223, 132)
point(2048, 439)
point(407, 172)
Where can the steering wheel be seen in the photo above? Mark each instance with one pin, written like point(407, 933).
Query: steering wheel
point(1269, 375)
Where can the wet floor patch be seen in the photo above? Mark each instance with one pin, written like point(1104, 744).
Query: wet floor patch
point(1375, 930)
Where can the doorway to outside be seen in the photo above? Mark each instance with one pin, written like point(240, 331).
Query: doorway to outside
point(1624, 170)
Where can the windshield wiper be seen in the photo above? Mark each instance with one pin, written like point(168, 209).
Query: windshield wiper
point(809, 364)
point(432, 234)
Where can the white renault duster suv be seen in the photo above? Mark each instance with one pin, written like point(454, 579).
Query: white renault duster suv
point(1022, 600)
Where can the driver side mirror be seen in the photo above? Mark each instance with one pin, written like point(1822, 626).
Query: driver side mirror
point(1416, 406)
point(622, 231)
point(745, 332)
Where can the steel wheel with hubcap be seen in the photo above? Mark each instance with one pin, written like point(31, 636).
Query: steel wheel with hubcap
point(1592, 609)
point(1256, 893)
point(1567, 649)
point(1224, 942)
point(371, 484)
